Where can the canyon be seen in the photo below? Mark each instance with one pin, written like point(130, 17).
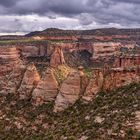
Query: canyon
point(32, 67)
point(61, 67)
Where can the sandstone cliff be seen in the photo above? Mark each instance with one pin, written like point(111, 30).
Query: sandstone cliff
point(46, 90)
point(11, 68)
point(29, 82)
point(110, 80)
point(57, 58)
point(69, 92)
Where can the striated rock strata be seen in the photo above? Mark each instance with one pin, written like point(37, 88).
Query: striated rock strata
point(46, 90)
point(95, 85)
point(11, 69)
point(29, 82)
point(106, 81)
point(69, 92)
point(57, 58)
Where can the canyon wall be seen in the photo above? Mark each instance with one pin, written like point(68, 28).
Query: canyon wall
point(110, 79)
point(127, 61)
point(74, 53)
point(24, 79)
point(11, 69)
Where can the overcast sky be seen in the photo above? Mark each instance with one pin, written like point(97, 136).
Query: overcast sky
point(23, 16)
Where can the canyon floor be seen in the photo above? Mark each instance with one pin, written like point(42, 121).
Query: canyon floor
point(110, 116)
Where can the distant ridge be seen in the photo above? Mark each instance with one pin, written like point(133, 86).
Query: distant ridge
point(102, 32)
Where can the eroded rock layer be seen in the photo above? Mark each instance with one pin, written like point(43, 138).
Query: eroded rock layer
point(47, 88)
point(11, 68)
point(69, 92)
point(109, 80)
point(29, 82)
point(57, 58)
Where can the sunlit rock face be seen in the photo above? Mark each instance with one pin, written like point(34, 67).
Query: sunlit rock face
point(57, 58)
point(46, 90)
point(127, 61)
point(95, 85)
point(111, 79)
point(29, 82)
point(69, 92)
point(11, 69)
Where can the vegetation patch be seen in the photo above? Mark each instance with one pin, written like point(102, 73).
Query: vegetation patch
point(61, 73)
point(110, 116)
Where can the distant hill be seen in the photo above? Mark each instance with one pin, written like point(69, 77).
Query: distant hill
point(99, 32)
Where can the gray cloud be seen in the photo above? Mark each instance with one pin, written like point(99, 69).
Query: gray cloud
point(8, 3)
point(83, 13)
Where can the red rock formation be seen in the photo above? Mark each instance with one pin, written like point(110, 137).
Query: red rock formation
point(83, 80)
point(27, 51)
point(54, 38)
point(127, 61)
point(105, 49)
point(57, 58)
point(95, 85)
point(113, 79)
point(29, 82)
point(69, 92)
point(33, 50)
point(47, 89)
point(11, 68)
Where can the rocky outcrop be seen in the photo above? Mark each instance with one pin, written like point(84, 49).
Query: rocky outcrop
point(127, 61)
point(95, 85)
point(57, 58)
point(11, 68)
point(47, 89)
point(28, 51)
point(106, 81)
point(29, 82)
point(69, 92)
point(83, 80)
point(33, 50)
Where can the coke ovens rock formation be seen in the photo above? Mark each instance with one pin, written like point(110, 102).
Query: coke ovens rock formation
point(46, 90)
point(69, 92)
point(29, 82)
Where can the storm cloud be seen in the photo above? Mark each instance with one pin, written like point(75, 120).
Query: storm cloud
point(23, 16)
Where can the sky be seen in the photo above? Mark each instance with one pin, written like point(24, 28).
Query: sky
point(24, 16)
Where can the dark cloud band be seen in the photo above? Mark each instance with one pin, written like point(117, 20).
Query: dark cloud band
point(87, 12)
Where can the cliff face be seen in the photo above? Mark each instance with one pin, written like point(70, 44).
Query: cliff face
point(127, 61)
point(110, 79)
point(69, 92)
point(29, 82)
point(11, 68)
point(57, 58)
point(91, 49)
point(77, 75)
point(33, 50)
point(88, 53)
point(46, 90)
